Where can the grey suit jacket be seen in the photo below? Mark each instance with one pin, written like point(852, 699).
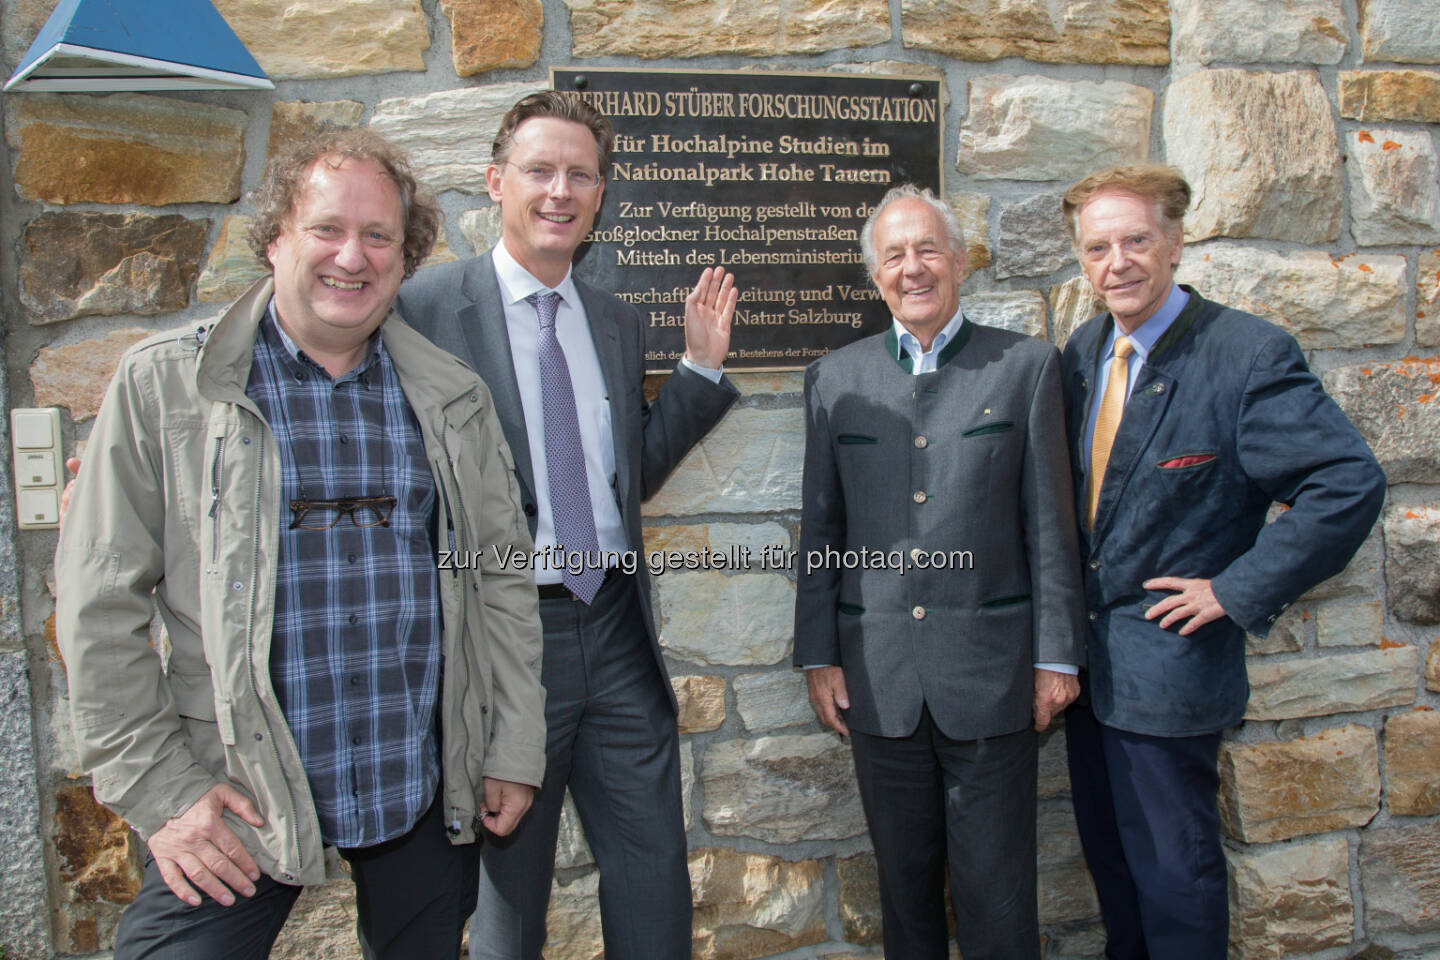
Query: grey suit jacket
point(457, 305)
point(905, 474)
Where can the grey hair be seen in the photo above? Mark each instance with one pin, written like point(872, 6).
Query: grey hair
point(909, 191)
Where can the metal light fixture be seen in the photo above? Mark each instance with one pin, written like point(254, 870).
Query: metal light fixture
point(90, 46)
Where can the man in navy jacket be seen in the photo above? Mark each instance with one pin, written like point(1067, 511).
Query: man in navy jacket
point(1186, 421)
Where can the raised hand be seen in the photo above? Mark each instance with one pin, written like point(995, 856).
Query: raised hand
point(708, 311)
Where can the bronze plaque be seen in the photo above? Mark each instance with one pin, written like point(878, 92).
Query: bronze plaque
point(769, 175)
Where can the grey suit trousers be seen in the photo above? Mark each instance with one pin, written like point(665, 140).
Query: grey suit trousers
point(612, 740)
point(929, 798)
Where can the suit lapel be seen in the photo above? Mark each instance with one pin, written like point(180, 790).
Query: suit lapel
point(1148, 401)
point(605, 332)
point(482, 320)
point(1089, 377)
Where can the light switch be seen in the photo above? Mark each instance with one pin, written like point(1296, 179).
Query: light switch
point(38, 508)
point(35, 433)
point(34, 428)
point(34, 469)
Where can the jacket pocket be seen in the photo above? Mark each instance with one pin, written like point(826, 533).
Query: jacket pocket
point(999, 426)
point(856, 438)
point(1014, 600)
point(1193, 477)
point(193, 693)
point(1187, 461)
point(850, 609)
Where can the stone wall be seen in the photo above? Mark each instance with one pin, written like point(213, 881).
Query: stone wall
point(1308, 128)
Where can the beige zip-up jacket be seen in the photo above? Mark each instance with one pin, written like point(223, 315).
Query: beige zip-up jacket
point(179, 499)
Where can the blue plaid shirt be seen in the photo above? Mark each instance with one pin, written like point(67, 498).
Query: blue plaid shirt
point(355, 653)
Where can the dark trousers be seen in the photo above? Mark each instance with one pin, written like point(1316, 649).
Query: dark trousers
point(413, 895)
point(1145, 807)
point(928, 797)
point(612, 741)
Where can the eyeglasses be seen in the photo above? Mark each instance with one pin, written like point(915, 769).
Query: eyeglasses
point(362, 511)
point(542, 175)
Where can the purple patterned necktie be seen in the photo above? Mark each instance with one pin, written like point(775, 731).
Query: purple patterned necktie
point(570, 507)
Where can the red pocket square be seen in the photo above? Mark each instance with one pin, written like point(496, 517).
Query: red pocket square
point(1189, 460)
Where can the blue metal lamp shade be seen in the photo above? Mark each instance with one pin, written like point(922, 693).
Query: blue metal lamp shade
point(110, 45)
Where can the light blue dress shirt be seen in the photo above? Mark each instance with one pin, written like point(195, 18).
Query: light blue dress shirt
point(924, 360)
point(1143, 339)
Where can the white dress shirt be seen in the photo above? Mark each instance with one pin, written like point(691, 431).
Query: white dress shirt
point(592, 401)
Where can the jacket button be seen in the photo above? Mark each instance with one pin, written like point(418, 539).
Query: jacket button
point(1271, 619)
point(237, 585)
point(529, 509)
point(1094, 616)
point(259, 736)
point(921, 443)
point(918, 613)
point(919, 496)
point(1094, 564)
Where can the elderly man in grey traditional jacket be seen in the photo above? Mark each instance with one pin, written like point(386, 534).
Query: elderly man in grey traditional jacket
point(938, 606)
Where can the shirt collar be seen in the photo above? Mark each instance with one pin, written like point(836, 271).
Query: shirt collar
point(298, 359)
point(1149, 333)
point(517, 283)
point(909, 344)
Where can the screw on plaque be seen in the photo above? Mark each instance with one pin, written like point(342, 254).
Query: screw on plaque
point(581, 81)
point(916, 89)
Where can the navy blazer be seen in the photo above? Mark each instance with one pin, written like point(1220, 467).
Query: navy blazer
point(1224, 419)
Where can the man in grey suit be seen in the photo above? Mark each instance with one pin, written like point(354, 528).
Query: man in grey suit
point(565, 363)
point(938, 606)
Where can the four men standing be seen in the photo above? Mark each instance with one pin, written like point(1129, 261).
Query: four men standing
point(330, 683)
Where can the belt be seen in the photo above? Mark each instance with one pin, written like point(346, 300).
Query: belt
point(558, 591)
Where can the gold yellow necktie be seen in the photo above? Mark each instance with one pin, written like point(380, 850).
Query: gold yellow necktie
point(1107, 421)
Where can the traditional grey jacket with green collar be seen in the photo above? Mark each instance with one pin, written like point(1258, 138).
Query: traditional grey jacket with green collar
point(938, 557)
point(179, 498)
